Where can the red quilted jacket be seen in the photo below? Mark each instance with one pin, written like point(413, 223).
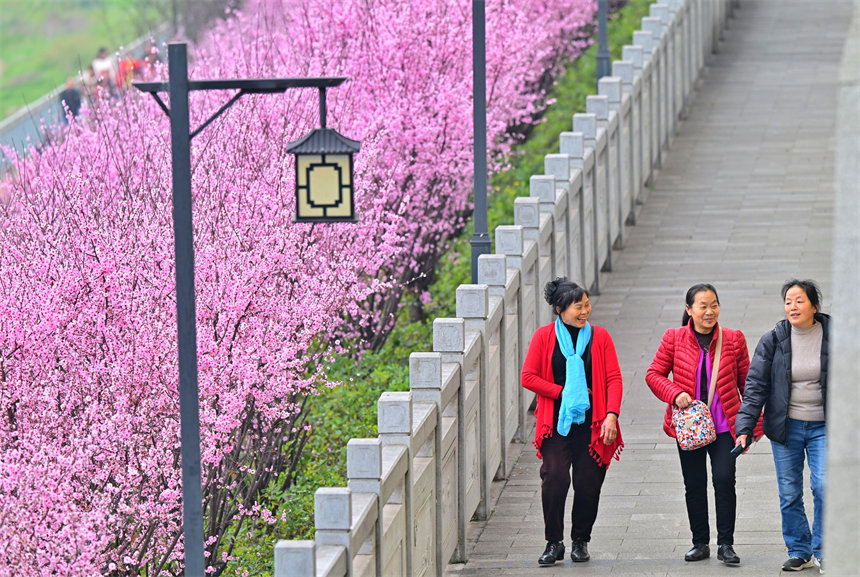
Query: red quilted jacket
point(678, 354)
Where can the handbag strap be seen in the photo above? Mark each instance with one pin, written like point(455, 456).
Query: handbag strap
point(716, 367)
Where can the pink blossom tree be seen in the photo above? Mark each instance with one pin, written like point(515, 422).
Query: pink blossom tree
point(89, 480)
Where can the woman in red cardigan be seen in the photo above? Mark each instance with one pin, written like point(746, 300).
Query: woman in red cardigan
point(687, 353)
point(572, 367)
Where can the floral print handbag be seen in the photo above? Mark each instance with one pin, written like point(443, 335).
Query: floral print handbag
point(694, 426)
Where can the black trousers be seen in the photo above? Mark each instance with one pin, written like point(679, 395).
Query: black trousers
point(560, 455)
point(695, 473)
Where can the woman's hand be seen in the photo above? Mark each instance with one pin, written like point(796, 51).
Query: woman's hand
point(683, 400)
point(609, 429)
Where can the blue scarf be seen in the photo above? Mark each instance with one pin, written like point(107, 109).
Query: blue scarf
point(574, 397)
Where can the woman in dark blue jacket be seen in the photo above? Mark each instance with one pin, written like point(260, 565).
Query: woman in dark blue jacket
point(788, 379)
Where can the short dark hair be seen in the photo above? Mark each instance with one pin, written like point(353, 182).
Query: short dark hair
point(809, 286)
point(691, 298)
point(561, 293)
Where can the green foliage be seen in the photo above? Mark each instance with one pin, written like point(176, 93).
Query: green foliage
point(349, 411)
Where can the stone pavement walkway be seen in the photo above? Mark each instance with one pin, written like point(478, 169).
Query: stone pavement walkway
point(744, 201)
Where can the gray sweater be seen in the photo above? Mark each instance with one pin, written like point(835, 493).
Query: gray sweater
point(768, 385)
point(806, 401)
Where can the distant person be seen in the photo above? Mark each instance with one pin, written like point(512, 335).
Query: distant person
point(105, 71)
point(70, 100)
point(89, 83)
point(129, 69)
point(572, 366)
point(688, 353)
point(788, 380)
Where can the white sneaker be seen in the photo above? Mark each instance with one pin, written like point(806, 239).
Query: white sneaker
point(819, 562)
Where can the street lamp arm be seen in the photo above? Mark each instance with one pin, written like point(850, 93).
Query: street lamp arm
point(249, 85)
point(160, 103)
point(267, 85)
point(245, 86)
point(220, 111)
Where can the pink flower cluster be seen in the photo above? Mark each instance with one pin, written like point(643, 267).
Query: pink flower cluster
point(89, 477)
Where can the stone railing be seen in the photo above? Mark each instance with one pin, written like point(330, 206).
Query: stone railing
point(413, 490)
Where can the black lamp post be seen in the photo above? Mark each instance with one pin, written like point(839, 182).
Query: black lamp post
point(603, 67)
point(323, 193)
point(481, 238)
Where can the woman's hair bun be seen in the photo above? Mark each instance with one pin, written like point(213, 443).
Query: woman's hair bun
point(551, 288)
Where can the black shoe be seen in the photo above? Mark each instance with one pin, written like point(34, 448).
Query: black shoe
point(797, 564)
point(697, 553)
point(727, 555)
point(579, 552)
point(554, 551)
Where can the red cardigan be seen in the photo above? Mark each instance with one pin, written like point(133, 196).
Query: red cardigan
point(606, 388)
point(679, 354)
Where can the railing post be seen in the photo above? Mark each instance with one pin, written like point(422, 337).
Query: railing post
point(684, 9)
point(572, 145)
point(651, 67)
point(483, 317)
point(586, 125)
point(295, 559)
point(364, 471)
point(674, 29)
point(655, 27)
point(542, 188)
point(610, 86)
point(661, 13)
point(449, 339)
point(432, 381)
point(634, 55)
point(598, 105)
point(394, 425)
point(521, 255)
point(536, 227)
point(624, 70)
point(503, 283)
point(332, 520)
point(551, 191)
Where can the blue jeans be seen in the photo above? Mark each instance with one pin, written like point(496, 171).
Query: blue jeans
point(809, 439)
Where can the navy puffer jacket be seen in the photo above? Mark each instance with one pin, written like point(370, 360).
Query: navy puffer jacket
point(768, 383)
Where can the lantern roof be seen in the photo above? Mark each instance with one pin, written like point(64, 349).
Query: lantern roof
point(324, 140)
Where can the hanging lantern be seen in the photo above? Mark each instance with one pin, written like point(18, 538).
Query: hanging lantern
point(324, 184)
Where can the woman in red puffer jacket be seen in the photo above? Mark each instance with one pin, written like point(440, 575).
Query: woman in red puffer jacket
point(687, 353)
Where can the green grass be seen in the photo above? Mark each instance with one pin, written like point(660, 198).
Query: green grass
point(43, 42)
point(349, 411)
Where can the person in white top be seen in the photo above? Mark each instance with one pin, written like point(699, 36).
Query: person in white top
point(104, 68)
